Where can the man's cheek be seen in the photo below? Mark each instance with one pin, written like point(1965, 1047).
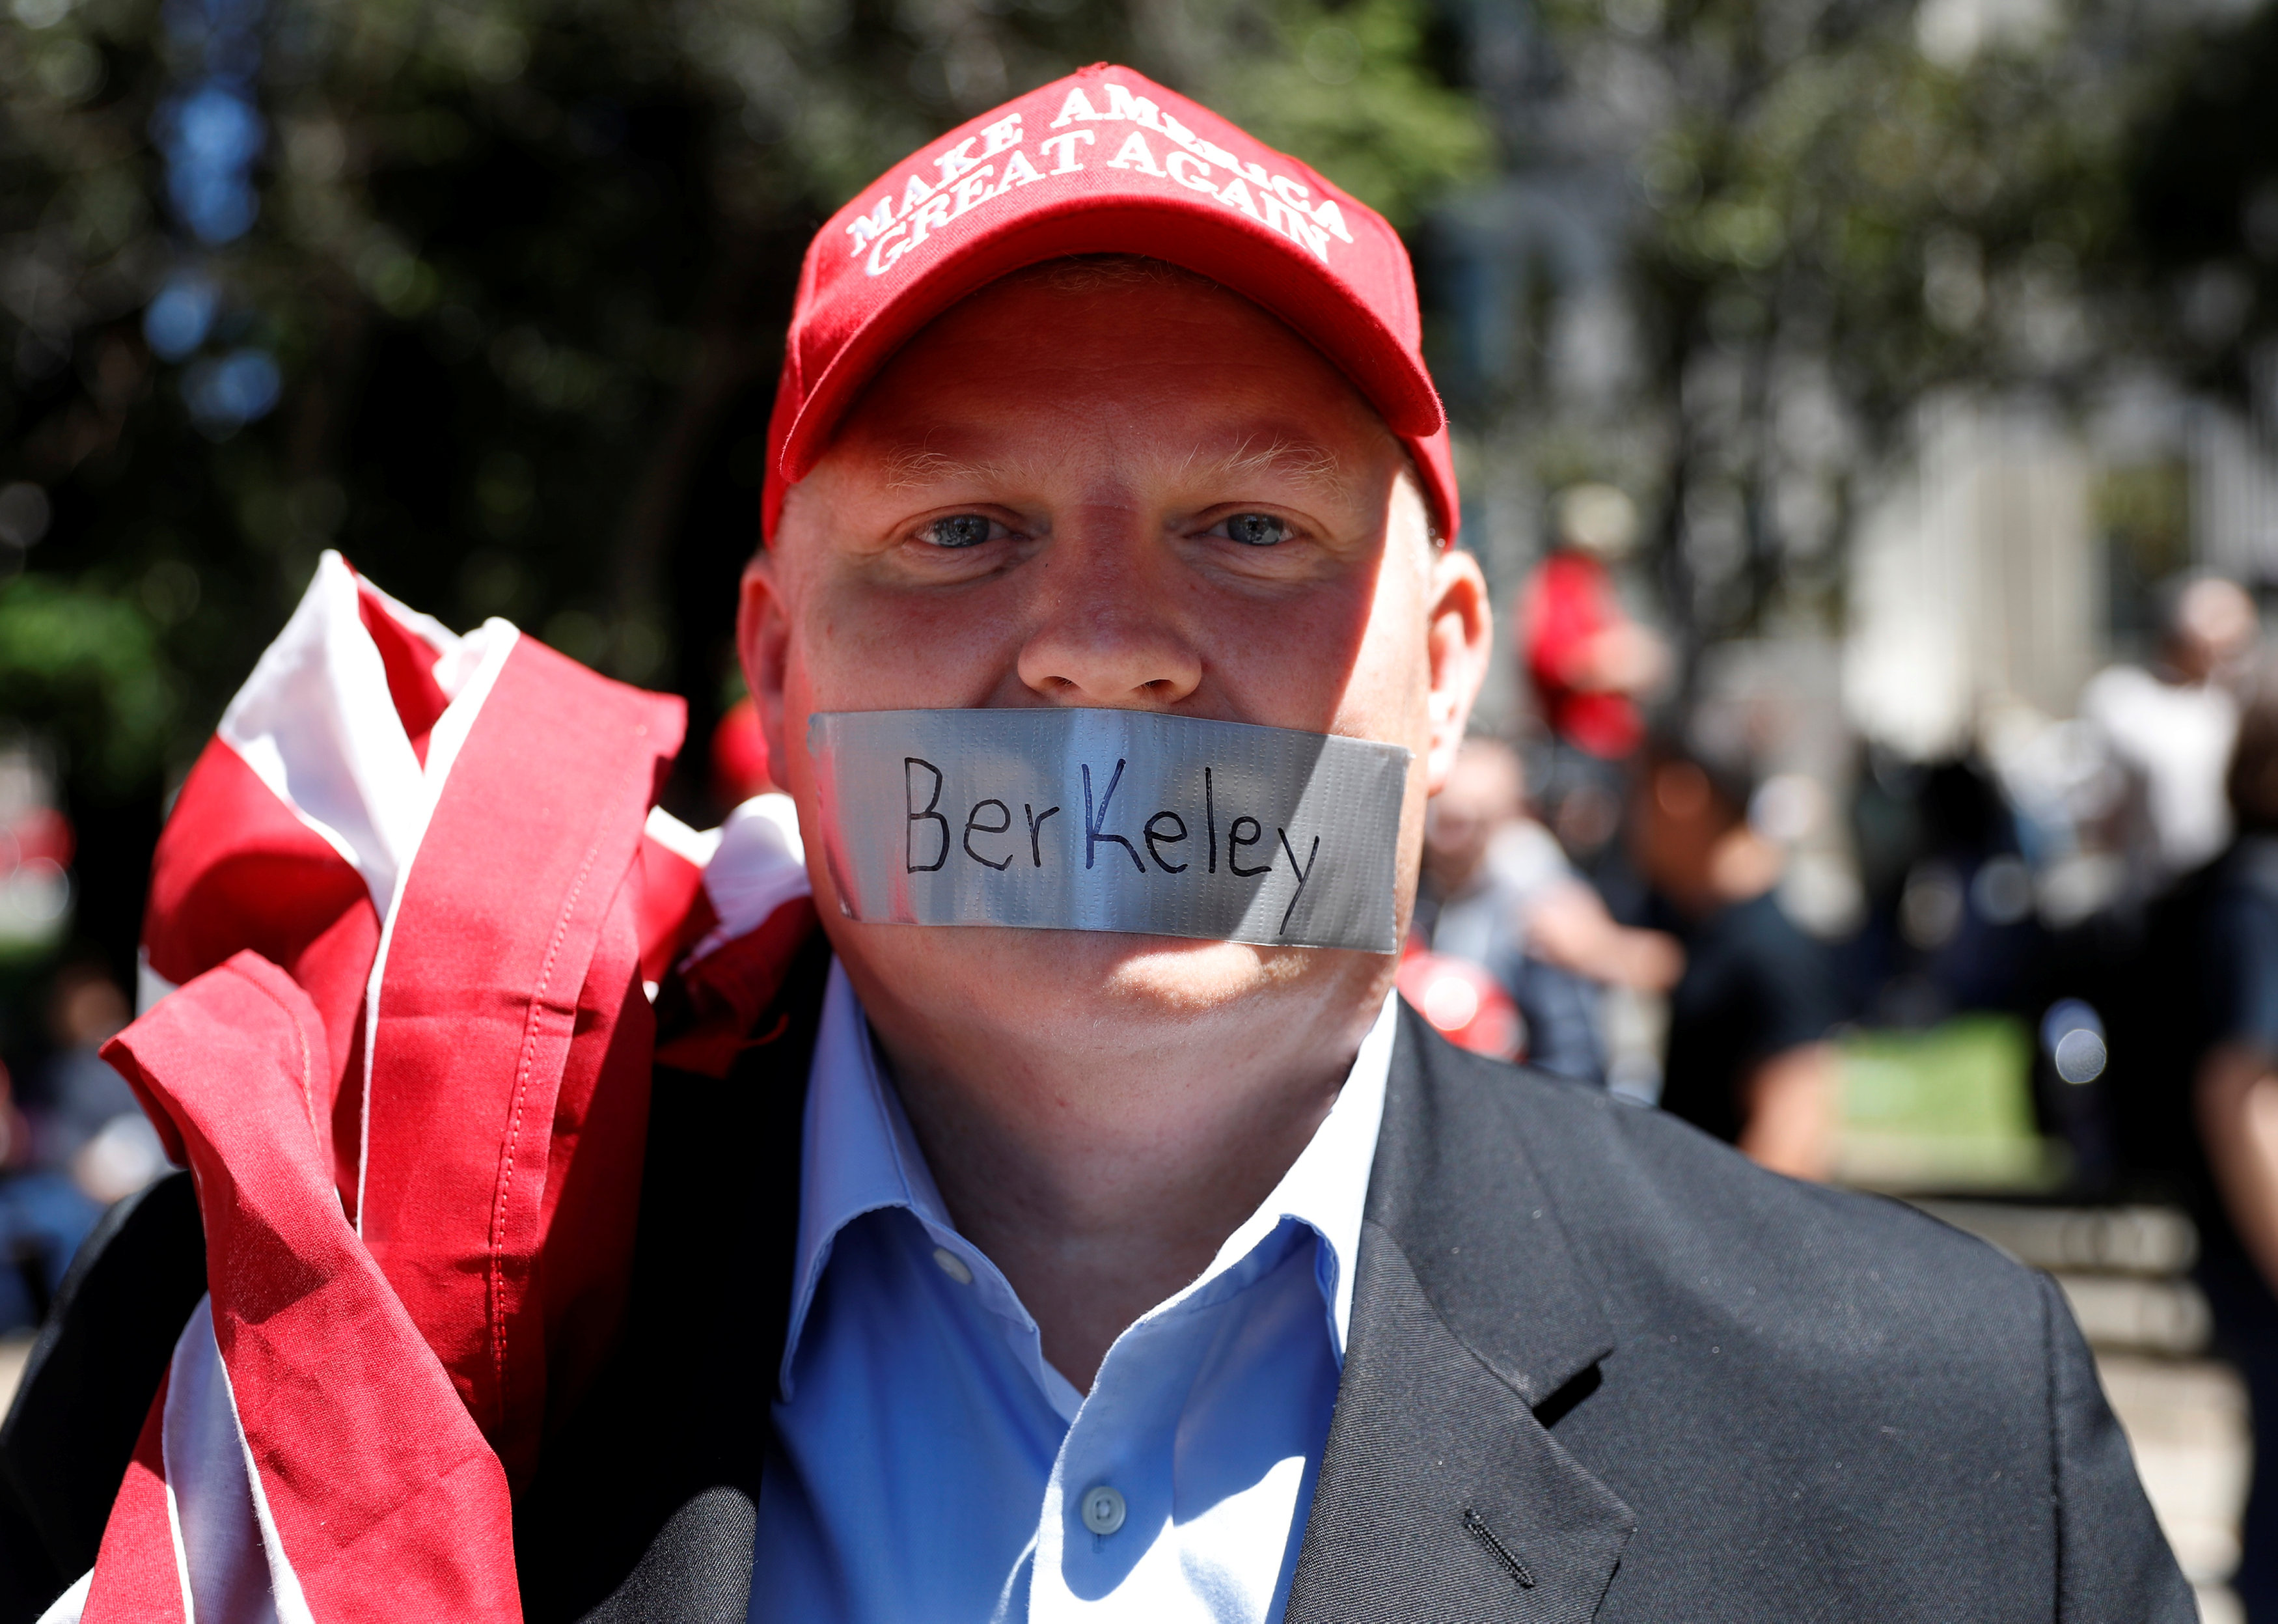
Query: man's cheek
point(853, 641)
point(1336, 668)
point(892, 657)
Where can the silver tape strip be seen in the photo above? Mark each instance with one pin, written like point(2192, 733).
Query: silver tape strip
point(1110, 820)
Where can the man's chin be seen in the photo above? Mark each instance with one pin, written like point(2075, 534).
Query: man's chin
point(1173, 969)
point(1109, 975)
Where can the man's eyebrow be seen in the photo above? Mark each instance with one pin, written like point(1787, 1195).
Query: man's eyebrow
point(918, 467)
point(1301, 462)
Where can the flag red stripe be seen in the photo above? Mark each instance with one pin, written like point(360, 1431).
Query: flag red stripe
point(409, 661)
point(387, 1500)
point(136, 1579)
point(509, 939)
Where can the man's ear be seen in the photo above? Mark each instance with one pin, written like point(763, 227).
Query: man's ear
point(763, 643)
point(1462, 625)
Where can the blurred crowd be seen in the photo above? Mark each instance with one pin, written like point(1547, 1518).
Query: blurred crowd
point(1621, 891)
point(1624, 926)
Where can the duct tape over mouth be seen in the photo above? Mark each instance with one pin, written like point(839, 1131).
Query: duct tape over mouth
point(1110, 820)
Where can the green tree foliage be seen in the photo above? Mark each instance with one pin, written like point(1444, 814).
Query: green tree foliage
point(1843, 207)
point(90, 659)
point(1351, 91)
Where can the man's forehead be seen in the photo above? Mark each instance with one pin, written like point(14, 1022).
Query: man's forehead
point(1228, 454)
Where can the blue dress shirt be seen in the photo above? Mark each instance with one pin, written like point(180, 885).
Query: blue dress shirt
point(930, 1465)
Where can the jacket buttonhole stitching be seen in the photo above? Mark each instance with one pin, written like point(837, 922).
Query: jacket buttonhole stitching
point(1477, 1528)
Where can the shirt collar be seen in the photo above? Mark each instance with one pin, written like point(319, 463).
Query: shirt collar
point(1327, 1188)
point(860, 1156)
point(857, 1154)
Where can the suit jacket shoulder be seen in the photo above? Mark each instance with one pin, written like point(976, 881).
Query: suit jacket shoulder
point(1673, 1385)
point(1683, 1233)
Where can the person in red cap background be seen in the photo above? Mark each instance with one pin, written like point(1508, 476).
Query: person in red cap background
point(1587, 660)
point(1088, 1273)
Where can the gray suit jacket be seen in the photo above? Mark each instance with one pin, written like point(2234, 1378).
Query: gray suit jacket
point(1600, 1367)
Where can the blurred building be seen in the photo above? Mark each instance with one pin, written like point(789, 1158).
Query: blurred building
point(1977, 577)
point(2016, 552)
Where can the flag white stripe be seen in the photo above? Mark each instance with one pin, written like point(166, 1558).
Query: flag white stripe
point(317, 724)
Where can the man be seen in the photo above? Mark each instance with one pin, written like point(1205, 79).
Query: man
point(75, 1142)
point(1029, 1273)
point(1588, 660)
point(1496, 892)
point(2198, 1121)
point(1747, 1057)
point(2169, 728)
point(1475, 912)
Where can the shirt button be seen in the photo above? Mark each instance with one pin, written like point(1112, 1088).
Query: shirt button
point(1102, 1510)
point(952, 1265)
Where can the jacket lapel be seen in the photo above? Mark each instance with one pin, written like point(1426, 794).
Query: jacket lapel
point(1441, 1494)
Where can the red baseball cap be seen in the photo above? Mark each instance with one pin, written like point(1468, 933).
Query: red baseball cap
point(1104, 161)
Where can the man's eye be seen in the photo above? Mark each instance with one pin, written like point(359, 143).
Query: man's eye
point(1253, 529)
point(959, 530)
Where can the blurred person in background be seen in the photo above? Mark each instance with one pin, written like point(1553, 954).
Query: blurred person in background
point(1589, 662)
point(75, 1141)
point(1748, 1058)
point(2176, 928)
point(86, 1121)
point(37, 1221)
point(1495, 891)
point(2168, 728)
point(1588, 665)
point(2227, 1170)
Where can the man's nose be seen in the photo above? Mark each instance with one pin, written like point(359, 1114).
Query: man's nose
point(1106, 631)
